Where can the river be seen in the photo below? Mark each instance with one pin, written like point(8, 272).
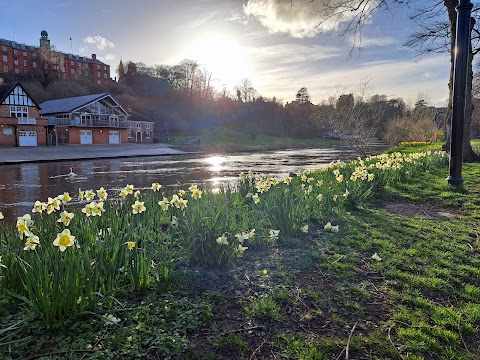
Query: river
point(21, 185)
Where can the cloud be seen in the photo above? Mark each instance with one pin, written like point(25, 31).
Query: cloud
point(107, 58)
point(304, 18)
point(97, 42)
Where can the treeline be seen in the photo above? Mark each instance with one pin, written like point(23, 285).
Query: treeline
point(182, 101)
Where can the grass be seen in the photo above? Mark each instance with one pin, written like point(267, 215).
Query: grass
point(315, 295)
point(231, 140)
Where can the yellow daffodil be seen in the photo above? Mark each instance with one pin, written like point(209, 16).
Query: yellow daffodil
point(65, 217)
point(102, 194)
point(124, 193)
point(328, 226)
point(346, 193)
point(335, 197)
point(241, 237)
point(136, 194)
point(89, 209)
point(53, 203)
point(304, 229)
point(89, 195)
point(181, 193)
point(222, 240)
point(196, 193)
point(39, 207)
point(64, 240)
point(182, 203)
point(1, 216)
point(138, 207)
point(129, 189)
point(32, 242)
point(164, 204)
point(319, 182)
point(251, 233)
point(376, 257)
point(242, 176)
point(81, 194)
point(175, 201)
point(156, 186)
point(241, 249)
point(288, 180)
point(65, 197)
point(304, 178)
point(255, 198)
point(130, 245)
point(23, 225)
point(319, 197)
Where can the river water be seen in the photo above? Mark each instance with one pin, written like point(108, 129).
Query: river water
point(21, 185)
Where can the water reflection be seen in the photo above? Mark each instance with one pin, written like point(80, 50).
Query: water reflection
point(21, 185)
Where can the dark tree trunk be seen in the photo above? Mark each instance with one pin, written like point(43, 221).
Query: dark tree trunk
point(468, 154)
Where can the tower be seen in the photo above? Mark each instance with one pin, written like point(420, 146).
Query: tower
point(44, 41)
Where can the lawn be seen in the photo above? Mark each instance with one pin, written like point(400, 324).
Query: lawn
point(388, 270)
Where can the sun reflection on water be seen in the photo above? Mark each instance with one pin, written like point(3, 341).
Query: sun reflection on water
point(216, 162)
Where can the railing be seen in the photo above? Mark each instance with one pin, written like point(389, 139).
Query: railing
point(88, 123)
point(27, 121)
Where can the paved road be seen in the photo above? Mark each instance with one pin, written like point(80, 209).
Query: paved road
point(17, 155)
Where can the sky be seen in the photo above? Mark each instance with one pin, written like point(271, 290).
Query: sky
point(278, 45)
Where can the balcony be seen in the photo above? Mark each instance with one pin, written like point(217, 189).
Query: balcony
point(88, 123)
point(27, 121)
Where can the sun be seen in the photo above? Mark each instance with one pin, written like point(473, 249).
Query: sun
point(224, 57)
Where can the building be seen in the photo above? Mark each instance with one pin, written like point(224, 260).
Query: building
point(89, 119)
point(20, 122)
point(21, 59)
point(140, 128)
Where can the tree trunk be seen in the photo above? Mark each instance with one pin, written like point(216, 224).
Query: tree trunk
point(468, 154)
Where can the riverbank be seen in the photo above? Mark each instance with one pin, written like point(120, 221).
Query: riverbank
point(399, 279)
point(17, 155)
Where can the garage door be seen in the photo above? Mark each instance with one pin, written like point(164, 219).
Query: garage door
point(86, 137)
point(27, 138)
point(114, 137)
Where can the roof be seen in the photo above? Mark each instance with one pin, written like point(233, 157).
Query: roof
point(6, 89)
point(71, 104)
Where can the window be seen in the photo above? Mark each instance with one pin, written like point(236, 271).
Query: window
point(86, 66)
point(15, 61)
point(98, 67)
point(24, 53)
point(104, 68)
point(4, 48)
point(79, 72)
point(72, 62)
point(147, 126)
point(130, 134)
point(129, 124)
point(17, 71)
point(139, 126)
point(72, 71)
point(34, 64)
point(8, 131)
point(15, 52)
point(19, 111)
point(25, 63)
point(98, 73)
point(147, 134)
point(5, 69)
point(5, 58)
point(104, 75)
point(79, 64)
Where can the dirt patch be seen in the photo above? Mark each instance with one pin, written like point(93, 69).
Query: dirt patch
point(427, 212)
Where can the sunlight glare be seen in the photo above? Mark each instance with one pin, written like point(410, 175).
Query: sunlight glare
point(223, 57)
point(215, 163)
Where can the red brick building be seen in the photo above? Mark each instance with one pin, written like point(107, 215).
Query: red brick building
point(16, 58)
point(140, 128)
point(20, 122)
point(89, 119)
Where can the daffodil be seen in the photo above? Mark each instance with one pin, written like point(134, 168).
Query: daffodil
point(287, 180)
point(53, 204)
point(136, 194)
point(102, 194)
point(241, 249)
point(39, 207)
point(222, 240)
point(97, 208)
point(32, 242)
point(64, 240)
point(376, 257)
point(81, 194)
point(274, 234)
point(156, 186)
point(328, 226)
point(335, 197)
point(182, 203)
point(255, 198)
point(175, 201)
point(23, 225)
point(109, 319)
point(129, 189)
point(164, 204)
point(65, 197)
point(319, 182)
point(319, 197)
point(242, 176)
point(89, 195)
point(124, 193)
point(138, 207)
point(334, 228)
point(196, 193)
point(181, 193)
point(1, 216)
point(241, 237)
point(89, 209)
point(304, 229)
point(130, 245)
point(65, 217)
point(346, 193)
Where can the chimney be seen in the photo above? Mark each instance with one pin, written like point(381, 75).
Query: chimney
point(94, 57)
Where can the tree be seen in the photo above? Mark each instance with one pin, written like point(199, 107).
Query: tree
point(49, 64)
point(120, 71)
point(302, 96)
point(245, 90)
